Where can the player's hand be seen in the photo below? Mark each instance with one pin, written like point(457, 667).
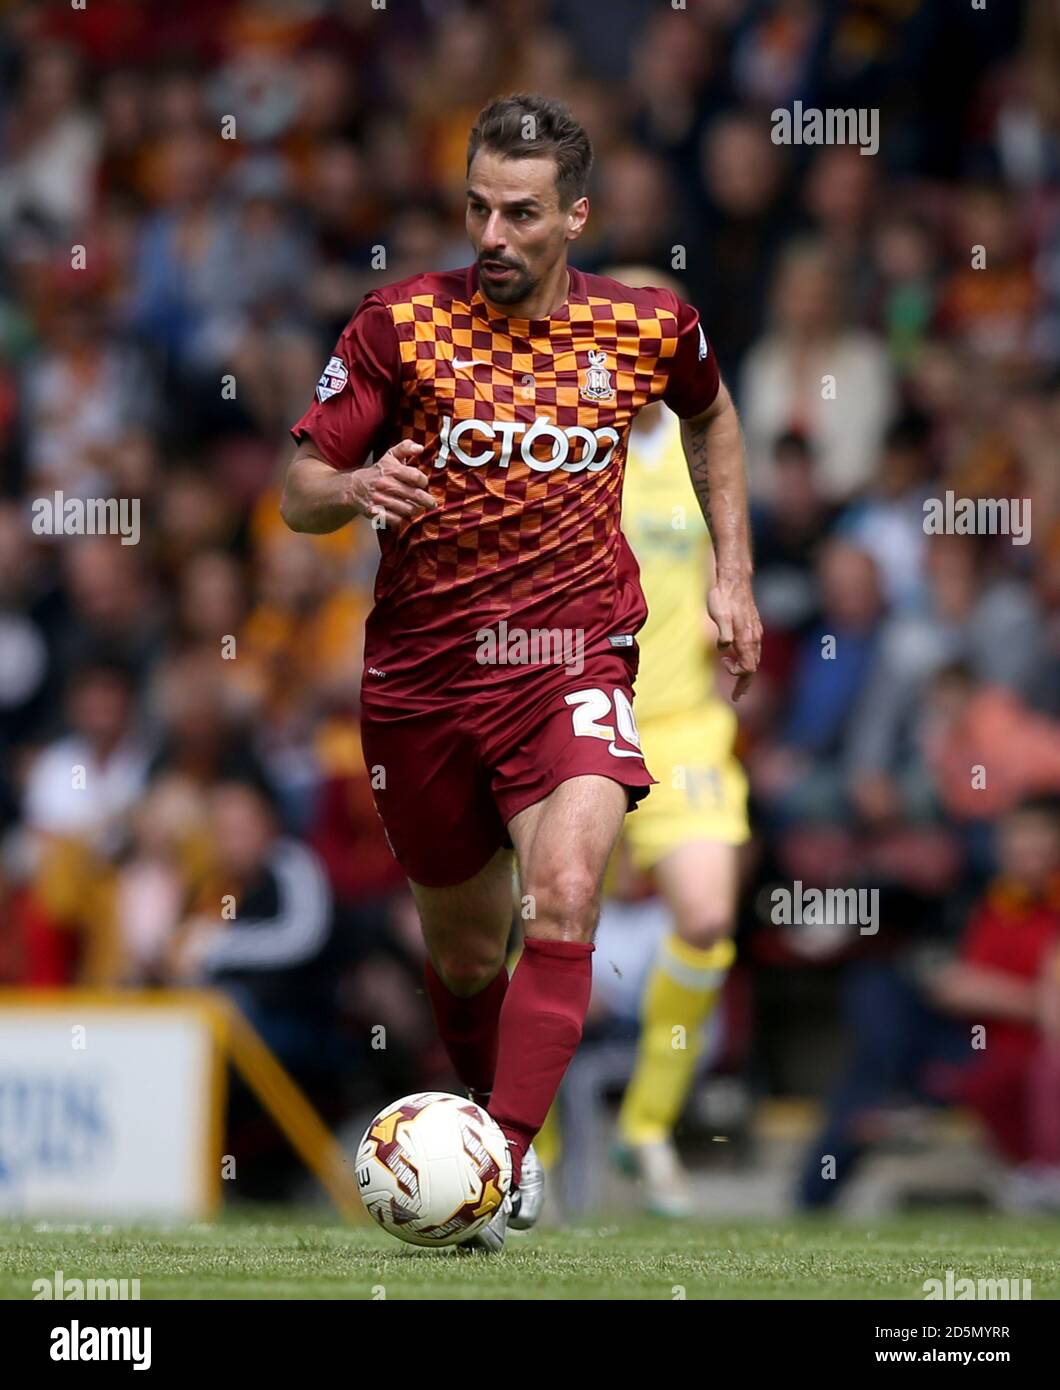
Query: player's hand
point(392, 488)
point(731, 604)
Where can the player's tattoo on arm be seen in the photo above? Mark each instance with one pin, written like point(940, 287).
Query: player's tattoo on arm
point(714, 451)
point(696, 454)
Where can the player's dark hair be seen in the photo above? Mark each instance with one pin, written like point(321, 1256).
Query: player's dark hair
point(527, 126)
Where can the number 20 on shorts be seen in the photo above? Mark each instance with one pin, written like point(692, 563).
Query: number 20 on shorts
point(591, 707)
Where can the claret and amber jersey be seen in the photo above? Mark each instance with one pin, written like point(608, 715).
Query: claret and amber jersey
point(524, 425)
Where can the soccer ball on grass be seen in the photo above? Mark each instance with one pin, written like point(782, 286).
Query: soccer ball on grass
point(433, 1168)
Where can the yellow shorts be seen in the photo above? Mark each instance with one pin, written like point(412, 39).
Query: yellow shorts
point(701, 792)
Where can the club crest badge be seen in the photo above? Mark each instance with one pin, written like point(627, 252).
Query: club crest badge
point(332, 379)
point(597, 384)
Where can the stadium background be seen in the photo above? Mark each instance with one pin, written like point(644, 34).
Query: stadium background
point(208, 259)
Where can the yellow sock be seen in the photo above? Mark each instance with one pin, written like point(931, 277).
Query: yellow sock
point(682, 991)
point(548, 1139)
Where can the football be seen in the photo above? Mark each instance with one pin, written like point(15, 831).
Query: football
point(433, 1168)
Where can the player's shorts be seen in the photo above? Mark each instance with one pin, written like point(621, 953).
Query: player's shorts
point(701, 793)
point(448, 781)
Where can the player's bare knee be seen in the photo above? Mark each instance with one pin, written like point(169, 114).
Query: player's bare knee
point(566, 907)
point(467, 974)
point(705, 930)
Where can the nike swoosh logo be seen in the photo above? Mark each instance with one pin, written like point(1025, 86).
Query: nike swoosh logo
point(623, 752)
point(469, 362)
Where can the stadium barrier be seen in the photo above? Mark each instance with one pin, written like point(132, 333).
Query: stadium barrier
point(112, 1105)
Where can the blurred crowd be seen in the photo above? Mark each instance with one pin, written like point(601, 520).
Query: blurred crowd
point(194, 198)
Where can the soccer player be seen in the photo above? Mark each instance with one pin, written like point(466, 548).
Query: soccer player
point(500, 657)
point(687, 832)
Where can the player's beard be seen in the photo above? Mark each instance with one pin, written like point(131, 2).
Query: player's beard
point(513, 291)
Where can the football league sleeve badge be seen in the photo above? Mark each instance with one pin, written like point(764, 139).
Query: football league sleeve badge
point(332, 379)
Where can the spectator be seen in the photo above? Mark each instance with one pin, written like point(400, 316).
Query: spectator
point(800, 777)
point(82, 398)
point(966, 611)
point(52, 147)
point(788, 529)
point(909, 1046)
point(79, 792)
point(260, 929)
point(84, 784)
point(889, 521)
point(747, 214)
point(815, 373)
point(1007, 981)
point(986, 750)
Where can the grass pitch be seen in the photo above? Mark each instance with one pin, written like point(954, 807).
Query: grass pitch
point(298, 1255)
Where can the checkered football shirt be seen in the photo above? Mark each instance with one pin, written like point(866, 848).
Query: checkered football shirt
point(524, 425)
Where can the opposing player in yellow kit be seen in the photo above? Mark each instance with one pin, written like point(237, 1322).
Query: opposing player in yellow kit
point(687, 832)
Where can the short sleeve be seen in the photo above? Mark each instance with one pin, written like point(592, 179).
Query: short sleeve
point(693, 378)
point(357, 389)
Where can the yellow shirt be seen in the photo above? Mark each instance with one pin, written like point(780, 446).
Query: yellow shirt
point(665, 528)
